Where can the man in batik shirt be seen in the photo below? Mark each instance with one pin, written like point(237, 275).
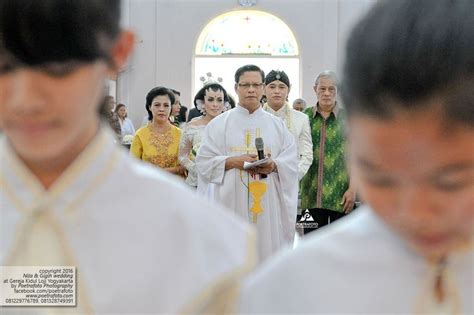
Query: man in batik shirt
point(326, 192)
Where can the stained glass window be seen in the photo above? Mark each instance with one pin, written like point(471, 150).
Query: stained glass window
point(247, 32)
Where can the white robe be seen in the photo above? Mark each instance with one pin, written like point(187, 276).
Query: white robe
point(358, 265)
point(233, 133)
point(140, 241)
point(298, 124)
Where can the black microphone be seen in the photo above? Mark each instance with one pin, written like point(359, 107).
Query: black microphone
point(261, 155)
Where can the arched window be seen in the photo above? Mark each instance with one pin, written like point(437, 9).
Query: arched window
point(241, 37)
point(247, 32)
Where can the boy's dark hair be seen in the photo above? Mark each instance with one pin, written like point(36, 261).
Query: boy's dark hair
point(406, 52)
point(36, 33)
point(157, 91)
point(248, 68)
point(57, 35)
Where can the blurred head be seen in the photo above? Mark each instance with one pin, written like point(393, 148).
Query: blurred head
point(299, 104)
point(408, 88)
point(325, 87)
point(158, 103)
point(277, 87)
point(175, 109)
point(109, 103)
point(211, 99)
point(121, 111)
point(249, 86)
point(55, 56)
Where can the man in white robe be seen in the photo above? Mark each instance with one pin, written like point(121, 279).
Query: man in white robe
point(277, 87)
point(69, 196)
point(229, 141)
point(410, 250)
point(140, 242)
point(356, 266)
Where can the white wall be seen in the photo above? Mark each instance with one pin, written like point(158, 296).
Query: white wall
point(167, 31)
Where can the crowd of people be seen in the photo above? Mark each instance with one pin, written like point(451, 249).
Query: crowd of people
point(212, 162)
point(204, 196)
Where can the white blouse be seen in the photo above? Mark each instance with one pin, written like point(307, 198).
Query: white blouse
point(127, 127)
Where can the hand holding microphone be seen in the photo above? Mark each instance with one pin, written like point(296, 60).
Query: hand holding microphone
point(260, 152)
point(267, 167)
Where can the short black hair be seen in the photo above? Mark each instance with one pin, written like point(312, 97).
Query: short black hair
point(406, 51)
point(154, 92)
point(176, 92)
point(248, 68)
point(182, 113)
point(213, 86)
point(36, 33)
point(231, 101)
point(58, 35)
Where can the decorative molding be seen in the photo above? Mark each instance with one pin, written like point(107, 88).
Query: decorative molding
point(247, 3)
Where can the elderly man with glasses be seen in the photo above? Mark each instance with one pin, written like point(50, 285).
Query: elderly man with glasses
point(327, 193)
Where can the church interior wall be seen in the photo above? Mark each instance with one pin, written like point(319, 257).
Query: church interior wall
point(167, 32)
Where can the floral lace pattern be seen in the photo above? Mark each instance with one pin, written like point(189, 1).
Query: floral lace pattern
point(188, 148)
point(162, 143)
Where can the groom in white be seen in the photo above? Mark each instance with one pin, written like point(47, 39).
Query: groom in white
point(277, 87)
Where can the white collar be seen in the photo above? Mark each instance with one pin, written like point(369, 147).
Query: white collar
point(284, 110)
point(27, 193)
point(245, 111)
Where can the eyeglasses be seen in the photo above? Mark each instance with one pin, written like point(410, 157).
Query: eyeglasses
point(247, 86)
point(330, 89)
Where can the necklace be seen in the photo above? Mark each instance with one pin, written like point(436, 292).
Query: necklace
point(160, 131)
point(287, 114)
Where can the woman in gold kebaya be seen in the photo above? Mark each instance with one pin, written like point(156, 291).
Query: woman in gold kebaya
point(158, 141)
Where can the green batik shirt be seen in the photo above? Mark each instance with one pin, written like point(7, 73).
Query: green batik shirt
point(327, 178)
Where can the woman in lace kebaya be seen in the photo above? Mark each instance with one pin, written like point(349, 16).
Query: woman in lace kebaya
point(158, 141)
point(211, 100)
